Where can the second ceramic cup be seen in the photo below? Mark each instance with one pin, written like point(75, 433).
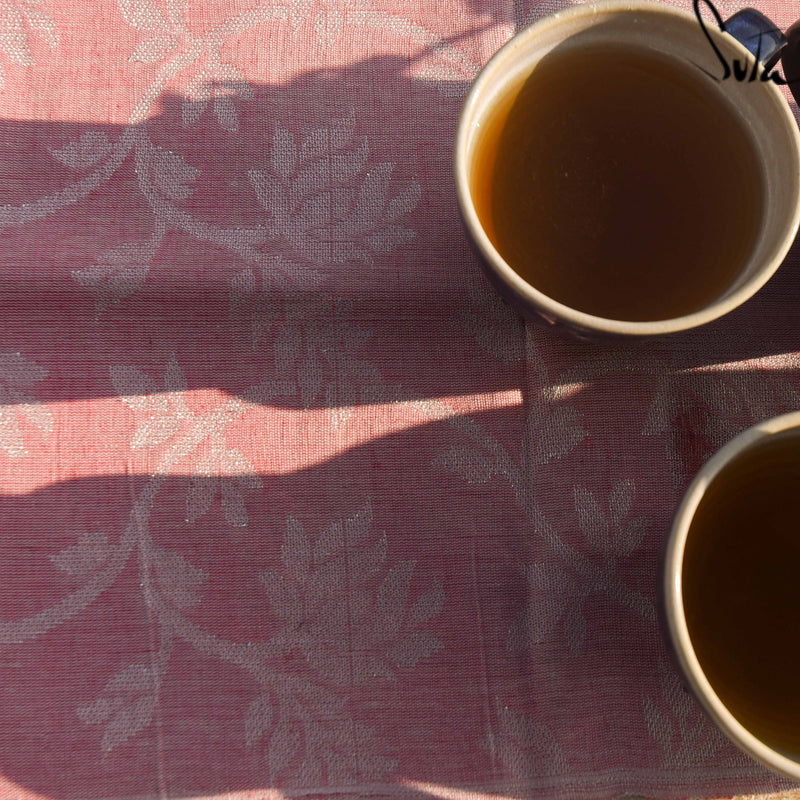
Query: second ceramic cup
point(731, 596)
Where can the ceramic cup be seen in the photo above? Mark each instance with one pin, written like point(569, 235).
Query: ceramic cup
point(676, 33)
point(747, 715)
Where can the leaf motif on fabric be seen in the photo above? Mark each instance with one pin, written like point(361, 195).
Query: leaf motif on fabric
point(127, 704)
point(329, 544)
point(111, 283)
point(351, 337)
point(285, 598)
point(659, 725)
point(44, 25)
point(16, 370)
point(133, 386)
point(631, 535)
point(154, 49)
point(676, 721)
point(408, 651)
point(346, 165)
point(390, 601)
point(133, 679)
point(226, 114)
point(526, 747)
point(284, 153)
point(676, 694)
point(370, 667)
point(176, 9)
point(271, 194)
point(17, 406)
point(119, 272)
point(154, 432)
point(328, 25)
point(179, 582)
point(341, 131)
point(233, 475)
point(87, 556)
point(575, 626)
point(174, 377)
point(662, 411)
point(351, 618)
point(13, 36)
point(389, 238)
point(372, 195)
point(316, 144)
point(404, 203)
point(427, 606)
point(243, 286)
point(96, 712)
point(196, 98)
point(468, 462)
point(449, 81)
point(311, 771)
point(283, 272)
point(283, 744)
point(91, 148)
point(326, 202)
point(11, 440)
point(592, 519)
point(223, 84)
point(172, 176)
point(369, 560)
point(314, 212)
point(549, 591)
point(494, 327)
point(258, 719)
point(35, 413)
point(718, 396)
point(621, 499)
point(161, 411)
point(559, 435)
point(127, 722)
point(311, 180)
point(143, 14)
point(233, 506)
point(309, 378)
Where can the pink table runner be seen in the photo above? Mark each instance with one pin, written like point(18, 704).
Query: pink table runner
point(291, 504)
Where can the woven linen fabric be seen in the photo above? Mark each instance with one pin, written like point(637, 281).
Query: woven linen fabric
point(291, 504)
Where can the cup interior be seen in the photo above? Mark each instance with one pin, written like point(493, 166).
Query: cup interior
point(759, 105)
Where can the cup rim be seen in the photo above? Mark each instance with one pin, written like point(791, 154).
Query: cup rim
point(674, 612)
point(547, 306)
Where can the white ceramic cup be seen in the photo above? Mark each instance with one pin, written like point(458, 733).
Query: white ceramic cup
point(676, 33)
point(674, 610)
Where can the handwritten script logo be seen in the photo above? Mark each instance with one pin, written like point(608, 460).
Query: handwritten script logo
point(742, 70)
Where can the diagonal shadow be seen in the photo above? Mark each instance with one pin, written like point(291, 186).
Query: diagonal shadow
point(152, 650)
point(322, 222)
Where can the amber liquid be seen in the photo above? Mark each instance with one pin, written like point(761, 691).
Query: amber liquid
point(741, 589)
point(620, 183)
